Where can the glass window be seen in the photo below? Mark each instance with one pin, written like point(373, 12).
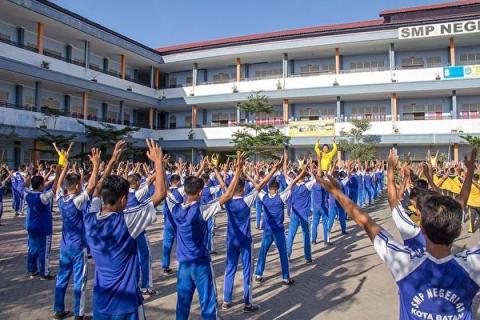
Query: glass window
point(412, 63)
point(4, 98)
point(188, 121)
point(470, 58)
point(470, 111)
point(371, 112)
point(434, 62)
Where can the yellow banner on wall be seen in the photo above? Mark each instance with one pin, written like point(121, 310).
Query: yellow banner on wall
point(311, 128)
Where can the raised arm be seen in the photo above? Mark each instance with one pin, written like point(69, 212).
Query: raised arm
point(117, 151)
point(95, 159)
point(469, 162)
point(155, 154)
point(391, 188)
point(265, 180)
point(231, 188)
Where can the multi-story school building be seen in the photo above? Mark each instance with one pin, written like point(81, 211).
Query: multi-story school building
point(414, 72)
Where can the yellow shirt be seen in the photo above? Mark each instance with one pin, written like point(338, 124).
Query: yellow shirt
point(456, 185)
point(436, 179)
point(62, 161)
point(447, 184)
point(474, 197)
point(327, 157)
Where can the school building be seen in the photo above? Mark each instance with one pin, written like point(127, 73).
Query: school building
point(414, 72)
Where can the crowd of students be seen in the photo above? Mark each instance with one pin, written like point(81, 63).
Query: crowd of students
point(107, 206)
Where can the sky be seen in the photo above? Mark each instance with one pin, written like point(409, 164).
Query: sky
point(159, 23)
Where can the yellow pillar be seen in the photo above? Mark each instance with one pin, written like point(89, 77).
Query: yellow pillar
point(452, 51)
point(123, 68)
point(150, 117)
point(285, 111)
point(337, 60)
point(239, 70)
point(85, 105)
point(194, 116)
point(455, 152)
point(36, 152)
point(393, 104)
point(40, 35)
point(157, 79)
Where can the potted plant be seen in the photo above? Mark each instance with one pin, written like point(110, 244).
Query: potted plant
point(45, 64)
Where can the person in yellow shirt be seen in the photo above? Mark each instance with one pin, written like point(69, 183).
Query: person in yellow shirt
point(325, 155)
point(62, 154)
point(473, 203)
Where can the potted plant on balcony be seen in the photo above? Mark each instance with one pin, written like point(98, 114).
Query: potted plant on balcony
point(234, 88)
point(335, 83)
point(191, 134)
point(45, 64)
point(279, 85)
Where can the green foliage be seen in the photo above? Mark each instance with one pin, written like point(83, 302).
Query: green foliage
point(254, 139)
point(8, 133)
point(473, 140)
point(442, 158)
point(358, 145)
point(51, 112)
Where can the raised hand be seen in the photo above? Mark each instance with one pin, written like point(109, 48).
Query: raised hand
point(470, 161)
point(95, 157)
point(154, 152)
point(392, 158)
point(120, 146)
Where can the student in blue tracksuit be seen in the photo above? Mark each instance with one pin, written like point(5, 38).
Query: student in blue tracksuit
point(258, 205)
point(352, 185)
point(239, 241)
point(136, 194)
point(359, 177)
point(2, 190)
point(379, 179)
point(169, 229)
point(334, 210)
point(320, 212)
point(369, 186)
point(39, 225)
point(208, 195)
point(18, 190)
point(111, 231)
point(73, 249)
point(274, 230)
point(195, 271)
point(300, 211)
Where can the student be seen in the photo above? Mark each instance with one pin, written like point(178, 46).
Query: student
point(136, 194)
point(195, 269)
point(473, 203)
point(39, 224)
point(320, 212)
point(209, 190)
point(18, 190)
point(325, 155)
point(62, 154)
point(334, 210)
point(73, 250)
point(369, 186)
point(169, 230)
point(258, 205)
point(111, 231)
point(2, 189)
point(239, 240)
point(274, 230)
point(433, 283)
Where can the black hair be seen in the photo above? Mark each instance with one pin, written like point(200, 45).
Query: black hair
point(205, 177)
point(174, 178)
point(36, 182)
point(193, 185)
point(420, 184)
point(133, 178)
point(441, 219)
point(114, 187)
point(274, 184)
point(240, 186)
point(71, 180)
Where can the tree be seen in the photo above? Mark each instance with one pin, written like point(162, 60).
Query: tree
point(106, 135)
point(473, 140)
point(47, 138)
point(355, 142)
point(257, 139)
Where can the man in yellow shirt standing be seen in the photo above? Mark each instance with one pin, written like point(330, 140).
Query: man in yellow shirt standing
point(327, 156)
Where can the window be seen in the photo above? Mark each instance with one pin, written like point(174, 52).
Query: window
point(275, 118)
point(224, 119)
point(172, 82)
point(112, 117)
point(470, 111)
point(412, 63)
point(189, 81)
point(52, 53)
point(310, 69)
point(29, 103)
point(309, 114)
point(422, 112)
point(188, 121)
point(172, 122)
point(434, 62)
point(470, 58)
point(222, 77)
point(92, 114)
point(50, 103)
point(367, 66)
point(4, 98)
point(263, 74)
point(76, 111)
point(373, 112)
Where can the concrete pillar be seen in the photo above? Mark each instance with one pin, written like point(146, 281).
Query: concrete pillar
point(285, 111)
point(152, 77)
point(21, 37)
point(120, 108)
point(155, 118)
point(86, 54)
point(38, 96)
point(68, 53)
point(337, 61)
point(451, 55)
point(340, 115)
point(393, 105)
point(36, 152)
point(453, 111)
point(391, 56)
point(150, 117)
point(85, 105)
point(157, 79)
point(239, 116)
point(40, 36)
point(105, 65)
point(285, 68)
point(67, 102)
point(123, 66)
point(104, 111)
point(194, 116)
point(194, 75)
point(239, 70)
point(455, 152)
point(19, 95)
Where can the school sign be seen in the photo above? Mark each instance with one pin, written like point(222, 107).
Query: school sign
point(439, 29)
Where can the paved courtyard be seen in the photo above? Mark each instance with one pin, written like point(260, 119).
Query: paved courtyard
point(346, 281)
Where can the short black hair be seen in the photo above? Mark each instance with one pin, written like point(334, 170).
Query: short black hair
point(133, 178)
point(274, 184)
point(205, 177)
point(441, 219)
point(71, 180)
point(193, 185)
point(114, 187)
point(420, 184)
point(36, 182)
point(174, 178)
point(240, 186)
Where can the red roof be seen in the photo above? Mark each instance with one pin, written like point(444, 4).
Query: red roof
point(430, 7)
point(270, 35)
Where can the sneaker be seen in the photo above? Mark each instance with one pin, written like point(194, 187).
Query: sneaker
point(288, 282)
point(83, 318)
point(328, 243)
point(248, 308)
point(213, 252)
point(47, 277)
point(345, 232)
point(226, 305)
point(62, 315)
point(33, 275)
point(259, 279)
point(309, 261)
point(167, 271)
point(149, 292)
point(314, 242)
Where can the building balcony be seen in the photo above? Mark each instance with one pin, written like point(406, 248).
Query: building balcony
point(61, 65)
